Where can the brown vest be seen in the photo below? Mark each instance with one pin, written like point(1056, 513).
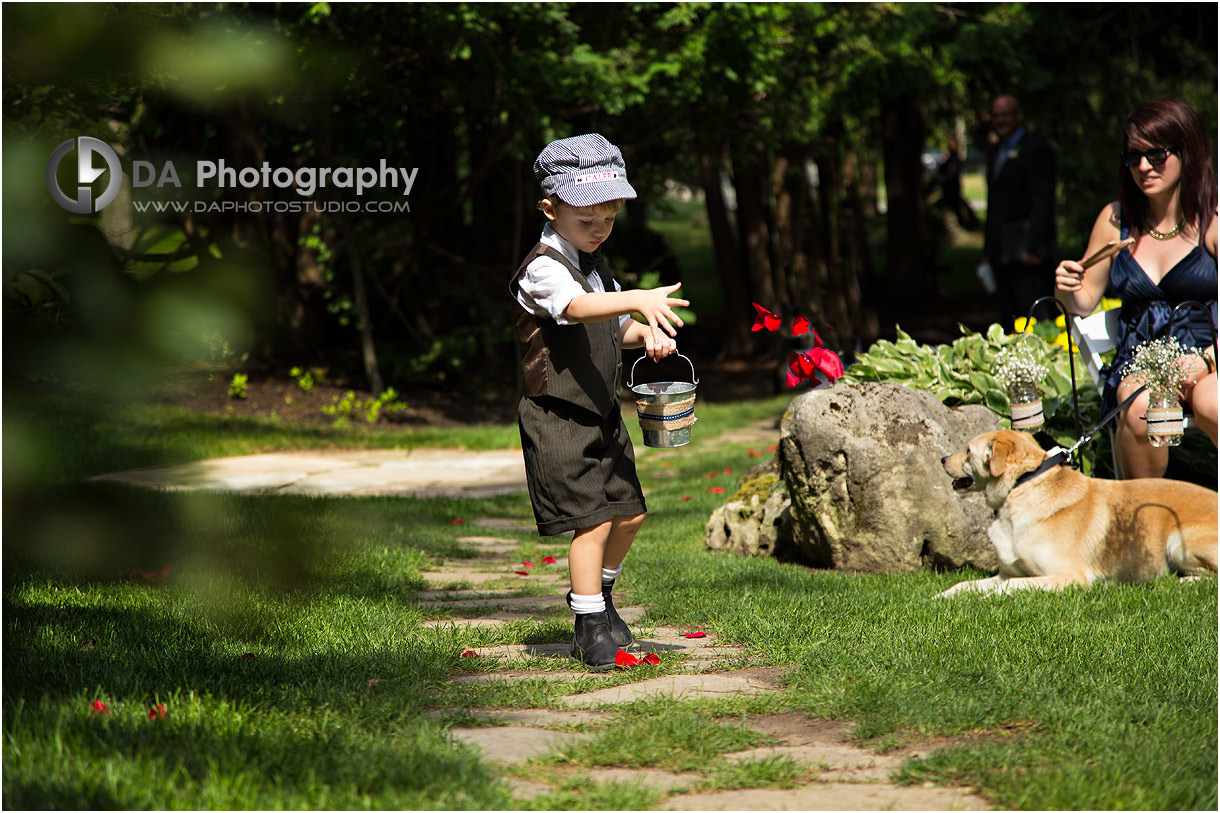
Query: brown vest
point(578, 363)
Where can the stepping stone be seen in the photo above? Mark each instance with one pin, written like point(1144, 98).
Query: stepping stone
point(716, 684)
point(832, 797)
point(828, 756)
point(490, 544)
point(436, 578)
point(471, 623)
point(480, 678)
point(506, 523)
point(557, 650)
point(513, 743)
point(523, 603)
point(539, 718)
point(660, 780)
point(522, 789)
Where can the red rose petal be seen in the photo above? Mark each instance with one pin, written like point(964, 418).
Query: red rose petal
point(800, 325)
point(728, 470)
point(157, 712)
point(98, 707)
point(457, 521)
point(521, 572)
point(623, 658)
point(712, 474)
point(765, 319)
point(716, 490)
point(652, 658)
point(249, 656)
point(470, 653)
point(549, 560)
point(771, 448)
point(527, 564)
point(694, 634)
point(686, 496)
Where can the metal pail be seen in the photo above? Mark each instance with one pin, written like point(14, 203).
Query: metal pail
point(666, 409)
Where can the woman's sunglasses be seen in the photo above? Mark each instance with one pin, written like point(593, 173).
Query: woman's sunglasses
point(1131, 158)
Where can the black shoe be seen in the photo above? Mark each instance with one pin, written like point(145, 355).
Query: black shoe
point(592, 644)
point(618, 628)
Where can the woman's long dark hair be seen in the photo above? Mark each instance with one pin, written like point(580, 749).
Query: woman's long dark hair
point(1171, 123)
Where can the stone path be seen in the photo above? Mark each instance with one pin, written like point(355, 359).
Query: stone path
point(846, 777)
point(471, 596)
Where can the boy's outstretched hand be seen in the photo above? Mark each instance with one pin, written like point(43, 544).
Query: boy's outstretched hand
point(656, 306)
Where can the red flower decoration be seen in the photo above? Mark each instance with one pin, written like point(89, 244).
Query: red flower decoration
point(817, 366)
point(686, 496)
point(623, 659)
point(157, 712)
point(696, 634)
point(470, 653)
point(98, 707)
point(549, 560)
point(800, 325)
point(527, 564)
point(457, 521)
point(716, 490)
point(765, 319)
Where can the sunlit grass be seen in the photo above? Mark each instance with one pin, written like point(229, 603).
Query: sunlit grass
point(296, 670)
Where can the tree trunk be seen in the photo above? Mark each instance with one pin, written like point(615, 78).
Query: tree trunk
point(738, 313)
point(368, 350)
point(903, 137)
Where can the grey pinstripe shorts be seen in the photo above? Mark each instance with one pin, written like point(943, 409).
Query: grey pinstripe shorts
point(580, 467)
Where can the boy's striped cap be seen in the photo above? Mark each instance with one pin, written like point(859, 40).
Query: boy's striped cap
point(583, 170)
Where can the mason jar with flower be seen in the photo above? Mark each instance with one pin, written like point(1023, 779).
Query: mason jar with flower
point(1161, 365)
point(1019, 370)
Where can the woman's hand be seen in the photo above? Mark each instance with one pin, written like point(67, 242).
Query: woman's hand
point(1069, 277)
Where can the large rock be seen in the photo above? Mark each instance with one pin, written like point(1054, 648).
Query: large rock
point(756, 520)
point(862, 466)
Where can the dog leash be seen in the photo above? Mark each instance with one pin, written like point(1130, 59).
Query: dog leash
point(1064, 456)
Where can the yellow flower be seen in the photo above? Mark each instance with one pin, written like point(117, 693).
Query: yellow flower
point(1109, 304)
point(1023, 323)
point(1062, 338)
point(1060, 322)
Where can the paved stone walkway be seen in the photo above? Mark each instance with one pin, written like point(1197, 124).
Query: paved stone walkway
point(470, 595)
point(847, 777)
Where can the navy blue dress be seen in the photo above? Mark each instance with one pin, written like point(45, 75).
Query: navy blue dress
point(1147, 306)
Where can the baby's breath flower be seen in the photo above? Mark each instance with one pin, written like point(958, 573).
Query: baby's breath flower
point(1160, 364)
point(1017, 365)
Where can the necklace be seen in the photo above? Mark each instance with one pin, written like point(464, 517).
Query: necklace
point(1166, 235)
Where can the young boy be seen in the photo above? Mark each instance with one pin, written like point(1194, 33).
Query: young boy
point(572, 321)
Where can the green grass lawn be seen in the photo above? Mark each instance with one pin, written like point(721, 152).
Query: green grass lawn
point(288, 651)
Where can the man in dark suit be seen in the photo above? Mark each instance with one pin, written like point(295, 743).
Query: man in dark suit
point(1020, 240)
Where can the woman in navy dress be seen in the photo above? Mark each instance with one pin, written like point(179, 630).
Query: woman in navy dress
point(1167, 201)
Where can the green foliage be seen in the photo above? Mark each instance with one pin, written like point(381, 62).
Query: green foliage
point(371, 409)
point(307, 378)
point(238, 384)
point(961, 373)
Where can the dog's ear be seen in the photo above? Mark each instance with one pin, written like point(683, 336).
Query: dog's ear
point(1001, 448)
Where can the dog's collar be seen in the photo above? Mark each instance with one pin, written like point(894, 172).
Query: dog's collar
point(1059, 458)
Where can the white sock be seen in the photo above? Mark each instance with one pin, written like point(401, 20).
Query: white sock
point(588, 604)
point(610, 574)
